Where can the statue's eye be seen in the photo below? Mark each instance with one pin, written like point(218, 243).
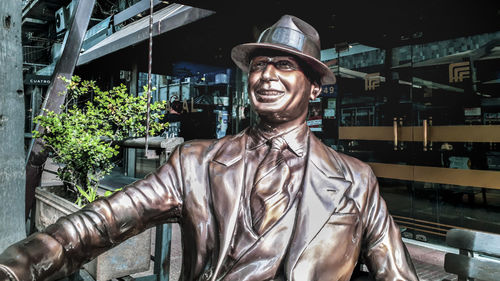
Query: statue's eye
point(285, 65)
point(258, 65)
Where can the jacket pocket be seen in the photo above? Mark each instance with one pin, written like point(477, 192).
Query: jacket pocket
point(343, 218)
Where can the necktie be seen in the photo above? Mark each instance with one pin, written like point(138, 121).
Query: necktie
point(269, 197)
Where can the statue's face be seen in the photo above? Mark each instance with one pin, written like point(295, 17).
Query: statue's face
point(279, 90)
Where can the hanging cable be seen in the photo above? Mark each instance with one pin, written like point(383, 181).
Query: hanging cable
point(150, 64)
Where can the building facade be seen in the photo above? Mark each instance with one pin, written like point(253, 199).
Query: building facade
point(417, 93)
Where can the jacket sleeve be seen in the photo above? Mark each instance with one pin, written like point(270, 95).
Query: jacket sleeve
point(383, 250)
point(65, 246)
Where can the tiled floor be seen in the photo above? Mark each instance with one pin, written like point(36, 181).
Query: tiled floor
point(431, 272)
point(428, 262)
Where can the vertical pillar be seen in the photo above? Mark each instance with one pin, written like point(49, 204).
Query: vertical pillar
point(36, 103)
point(130, 169)
point(12, 169)
point(230, 107)
point(238, 86)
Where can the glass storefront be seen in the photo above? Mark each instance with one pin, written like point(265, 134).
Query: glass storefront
point(212, 105)
point(426, 117)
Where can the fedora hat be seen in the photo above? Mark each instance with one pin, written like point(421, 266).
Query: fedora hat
point(290, 35)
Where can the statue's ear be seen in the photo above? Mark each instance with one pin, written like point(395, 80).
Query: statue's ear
point(315, 90)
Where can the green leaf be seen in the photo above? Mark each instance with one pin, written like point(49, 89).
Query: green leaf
point(74, 136)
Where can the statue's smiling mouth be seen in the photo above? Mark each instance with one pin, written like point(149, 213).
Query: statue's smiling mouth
point(269, 92)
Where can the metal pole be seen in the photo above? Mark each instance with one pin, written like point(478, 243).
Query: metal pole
point(150, 64)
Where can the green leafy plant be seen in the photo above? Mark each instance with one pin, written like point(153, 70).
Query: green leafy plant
point(84, 137)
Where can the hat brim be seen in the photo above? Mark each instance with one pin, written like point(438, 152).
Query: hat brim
point(240, 55)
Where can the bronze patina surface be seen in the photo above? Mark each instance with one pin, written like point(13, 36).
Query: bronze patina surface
point(332, 214)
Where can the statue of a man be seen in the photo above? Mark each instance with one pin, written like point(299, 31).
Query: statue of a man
point(271, 203)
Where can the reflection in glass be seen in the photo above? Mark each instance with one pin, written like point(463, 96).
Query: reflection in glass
point(427, 118)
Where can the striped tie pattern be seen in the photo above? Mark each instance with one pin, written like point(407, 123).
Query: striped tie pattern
point(269, 197)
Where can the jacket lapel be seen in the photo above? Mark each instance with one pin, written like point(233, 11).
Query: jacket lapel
point(324, 185)
point(226, 180)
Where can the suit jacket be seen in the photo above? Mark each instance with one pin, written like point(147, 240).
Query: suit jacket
point(340, 217)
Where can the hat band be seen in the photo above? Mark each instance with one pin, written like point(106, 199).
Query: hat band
point(291, 38)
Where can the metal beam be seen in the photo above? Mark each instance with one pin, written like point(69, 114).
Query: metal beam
point(30, 6)
point(64, 67)
point(35, 21)
point(164, 20)
point(133, 10)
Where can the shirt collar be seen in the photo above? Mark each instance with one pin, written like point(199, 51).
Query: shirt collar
point(295, 138)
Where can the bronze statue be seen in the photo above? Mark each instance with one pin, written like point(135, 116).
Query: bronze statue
point(271, 203)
